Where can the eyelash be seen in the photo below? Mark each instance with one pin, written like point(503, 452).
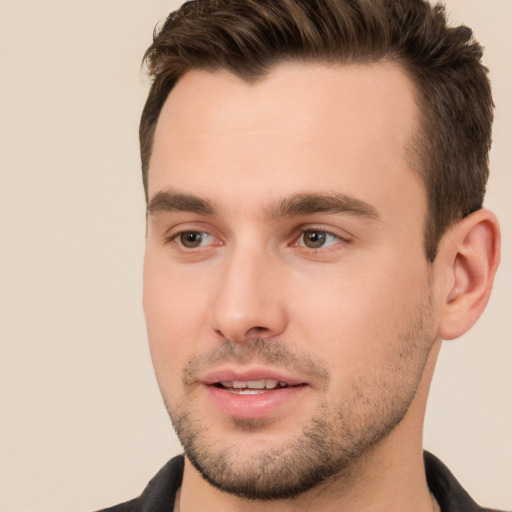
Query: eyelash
point(176, 238)
point(319, 231)
point(296, 239)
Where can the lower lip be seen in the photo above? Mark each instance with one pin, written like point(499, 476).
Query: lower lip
point(253, 406)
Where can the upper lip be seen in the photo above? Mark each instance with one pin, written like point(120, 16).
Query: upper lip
point(252, 374)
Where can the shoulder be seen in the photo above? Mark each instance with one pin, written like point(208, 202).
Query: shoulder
point(449, 493)
point(159, 493)
point(129, 506)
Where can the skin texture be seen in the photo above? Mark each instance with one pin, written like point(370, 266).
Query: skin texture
point(236, 279)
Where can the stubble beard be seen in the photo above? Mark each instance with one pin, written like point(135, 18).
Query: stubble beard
point(328, 445)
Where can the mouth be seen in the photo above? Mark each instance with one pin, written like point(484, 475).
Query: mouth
point(251, 387)
point(255, 393)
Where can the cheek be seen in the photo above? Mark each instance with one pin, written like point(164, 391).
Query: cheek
point(358, 318)
point(174, 317)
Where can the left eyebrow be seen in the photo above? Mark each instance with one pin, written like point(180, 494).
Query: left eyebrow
point(308, 204)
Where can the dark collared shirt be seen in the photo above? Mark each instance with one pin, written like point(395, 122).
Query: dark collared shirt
point(160, 493)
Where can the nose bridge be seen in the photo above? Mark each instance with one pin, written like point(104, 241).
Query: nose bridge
point(247, 303)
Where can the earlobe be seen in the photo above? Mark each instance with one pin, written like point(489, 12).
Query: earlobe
point(472, 254)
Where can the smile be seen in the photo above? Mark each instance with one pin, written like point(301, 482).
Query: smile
point(253, 396)
point(251, 387)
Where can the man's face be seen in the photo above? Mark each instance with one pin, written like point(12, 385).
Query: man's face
point(286, 291)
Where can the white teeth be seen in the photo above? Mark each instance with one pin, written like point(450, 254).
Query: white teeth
point(256, 384)
point(253, 384)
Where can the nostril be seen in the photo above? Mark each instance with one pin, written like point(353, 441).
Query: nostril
point(246, 320)
point(253, 332)
point(258, 329)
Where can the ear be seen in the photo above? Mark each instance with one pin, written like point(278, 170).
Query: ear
point(470, 256)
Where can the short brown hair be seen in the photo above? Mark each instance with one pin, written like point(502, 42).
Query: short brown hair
point(248, 37)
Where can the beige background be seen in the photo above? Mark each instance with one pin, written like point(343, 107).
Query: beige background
point(81, 421)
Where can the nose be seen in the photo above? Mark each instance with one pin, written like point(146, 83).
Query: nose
point(249, 300)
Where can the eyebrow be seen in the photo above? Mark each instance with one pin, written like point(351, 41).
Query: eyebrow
point(293, 206)
point(171, 201)
point(308, 204)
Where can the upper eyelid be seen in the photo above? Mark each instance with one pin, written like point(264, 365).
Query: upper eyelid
point(193, 226)
point(181, 232)
point(338, 233)
point(204, 245)
point(173, 232)
point(299, 243)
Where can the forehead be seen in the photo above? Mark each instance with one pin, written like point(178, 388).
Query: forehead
point(303, 125)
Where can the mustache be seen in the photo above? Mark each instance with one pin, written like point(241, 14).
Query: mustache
point(258, 350)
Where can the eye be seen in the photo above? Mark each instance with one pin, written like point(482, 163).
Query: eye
point(194, 239)
point(316, 239)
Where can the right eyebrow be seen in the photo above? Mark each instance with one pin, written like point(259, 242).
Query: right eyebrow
point(172, 201)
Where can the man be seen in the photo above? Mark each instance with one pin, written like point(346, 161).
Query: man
point(314, 173)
